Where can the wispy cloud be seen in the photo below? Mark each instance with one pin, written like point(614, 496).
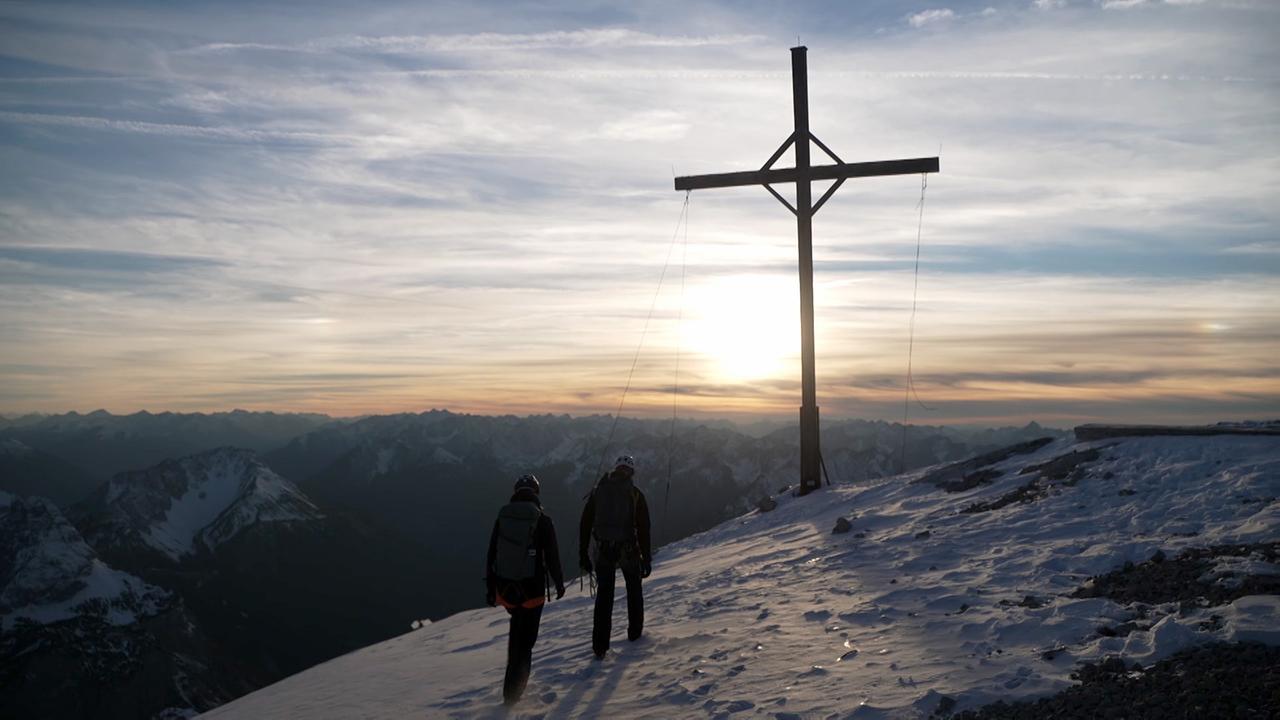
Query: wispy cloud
point(931, 17)
point(599, 38)
point(239, 134)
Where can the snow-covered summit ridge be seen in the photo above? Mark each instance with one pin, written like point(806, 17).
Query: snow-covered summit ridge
point(201, 500)
point(975, 594)
point(48, 573)
point(1100, 431)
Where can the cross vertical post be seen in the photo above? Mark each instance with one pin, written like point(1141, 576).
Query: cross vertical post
point(803, 175)
point(810, 449)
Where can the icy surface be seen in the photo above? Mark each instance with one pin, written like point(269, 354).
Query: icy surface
point(772, 615)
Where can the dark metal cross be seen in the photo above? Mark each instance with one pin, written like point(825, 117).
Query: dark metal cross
point(803, 174)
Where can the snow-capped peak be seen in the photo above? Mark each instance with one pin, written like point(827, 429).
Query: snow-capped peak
point(48, 573)
point(198, 501)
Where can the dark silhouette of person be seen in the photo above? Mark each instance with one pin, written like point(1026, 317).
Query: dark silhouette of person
point(523, 556)
point(614, 530)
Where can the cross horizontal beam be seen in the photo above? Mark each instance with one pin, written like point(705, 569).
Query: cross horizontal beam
point(841, 171)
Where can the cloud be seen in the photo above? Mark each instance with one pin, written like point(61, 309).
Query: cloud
point(651, 125)
point(1255, 248)
point(595, 38)
point(236, 134)
point(931, 17)
point(73, 258)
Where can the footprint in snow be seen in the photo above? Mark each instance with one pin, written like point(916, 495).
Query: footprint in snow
point(476, 646)
point(463, 698)
point(725, 709)
point(678, 695)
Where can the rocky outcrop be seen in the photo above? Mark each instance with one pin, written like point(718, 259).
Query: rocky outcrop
point(1237, 680)
point(977, 470)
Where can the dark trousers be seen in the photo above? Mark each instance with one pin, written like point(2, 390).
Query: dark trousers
point(524, 633)
point(606, 575)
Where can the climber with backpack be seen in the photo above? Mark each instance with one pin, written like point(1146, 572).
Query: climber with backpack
point(523, 559)
point(614, 535)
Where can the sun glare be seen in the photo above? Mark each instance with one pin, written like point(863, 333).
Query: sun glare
point(748, 326)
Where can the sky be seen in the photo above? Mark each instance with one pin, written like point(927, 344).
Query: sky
point(357, 208)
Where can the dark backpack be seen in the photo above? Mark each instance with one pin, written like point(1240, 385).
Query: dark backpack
point(615, 517)
point(517, 556)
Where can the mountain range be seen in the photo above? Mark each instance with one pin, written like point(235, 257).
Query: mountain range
point(189, 580)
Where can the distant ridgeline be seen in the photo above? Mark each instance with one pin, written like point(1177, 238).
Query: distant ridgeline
point(172, 572)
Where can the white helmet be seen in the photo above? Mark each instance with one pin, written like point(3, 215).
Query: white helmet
point(625, 461)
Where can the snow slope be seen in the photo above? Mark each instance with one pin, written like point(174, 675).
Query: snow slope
point(773, 615)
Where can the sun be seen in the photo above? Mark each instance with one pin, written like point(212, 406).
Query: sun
point(747, 325)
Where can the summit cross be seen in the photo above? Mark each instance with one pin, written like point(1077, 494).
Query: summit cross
point(803, 174)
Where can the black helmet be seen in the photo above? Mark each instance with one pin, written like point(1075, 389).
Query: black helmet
point(528, 482)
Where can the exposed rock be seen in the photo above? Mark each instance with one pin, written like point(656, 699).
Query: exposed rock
point(1197, 574)
point(1215, 681)
point(945, 705)
point(1030, 492)
point(766, 504)
point(1066, 469)
point(968, 474)
point(842, 526)
point(1029, 601)
point(1065, 466)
